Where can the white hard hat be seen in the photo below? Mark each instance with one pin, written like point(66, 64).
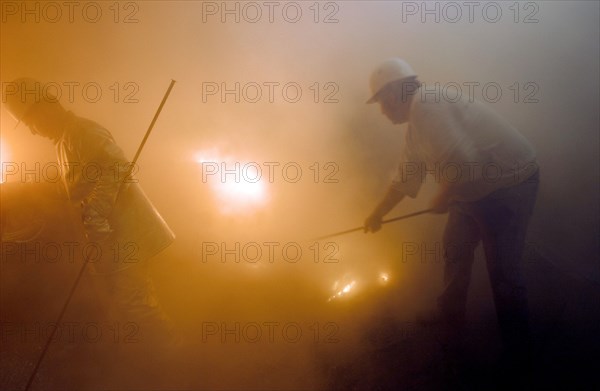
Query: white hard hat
point(22, 94)
point(390, 70)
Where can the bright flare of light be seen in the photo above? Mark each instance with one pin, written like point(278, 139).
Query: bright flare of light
point(4, 158)
point(240, 197)
point(347, 288)
point(238, 191)
point(384, 278)
point(344, 291)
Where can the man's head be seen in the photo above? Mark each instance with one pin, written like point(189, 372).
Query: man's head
point(393, 83)
point(29, 102)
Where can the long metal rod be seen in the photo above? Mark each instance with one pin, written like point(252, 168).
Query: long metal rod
point(139, 151)
point(406, 216)
point(56, 325)
point(86, 258)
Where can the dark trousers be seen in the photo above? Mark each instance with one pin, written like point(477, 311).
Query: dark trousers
point(133, 301)
point(500, 222)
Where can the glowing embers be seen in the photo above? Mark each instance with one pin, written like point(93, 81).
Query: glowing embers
point(384, 278)
point(344, 291)
point(349, 287)
point(238, 185)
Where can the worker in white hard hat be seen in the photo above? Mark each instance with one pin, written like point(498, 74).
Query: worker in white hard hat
point(116, 215)
point(460, 142)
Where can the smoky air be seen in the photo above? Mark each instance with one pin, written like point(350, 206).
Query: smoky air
point(195, 195)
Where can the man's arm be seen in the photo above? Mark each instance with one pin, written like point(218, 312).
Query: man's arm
point(98, 204)
point(389, 201)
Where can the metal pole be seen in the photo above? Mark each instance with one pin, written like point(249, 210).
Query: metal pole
point(86, 258)
point(383, 222)
point(139, 151)
point(60, 316)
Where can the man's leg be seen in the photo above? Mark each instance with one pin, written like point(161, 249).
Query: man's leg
point(134, 298)
point(461, 236)
point(150, 344)
point(129, 291)
point(505, 216)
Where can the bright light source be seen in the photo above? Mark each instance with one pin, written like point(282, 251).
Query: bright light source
point(233, 182)
point(347, 288)
point(4, 158)
point(384, 278)
point(344, 288)
point(344, 291)
point(240, 197)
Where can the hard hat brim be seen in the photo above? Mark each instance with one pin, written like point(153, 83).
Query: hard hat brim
point(375, 97)
point(20, 118)
point(20, 105)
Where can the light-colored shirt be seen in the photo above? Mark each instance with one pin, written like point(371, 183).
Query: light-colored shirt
point(463, 143)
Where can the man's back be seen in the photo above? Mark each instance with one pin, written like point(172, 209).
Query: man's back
point(466, 143)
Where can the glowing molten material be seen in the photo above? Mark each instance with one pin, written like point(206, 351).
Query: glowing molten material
point(344, 291)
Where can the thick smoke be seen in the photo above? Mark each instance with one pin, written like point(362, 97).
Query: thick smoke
point(548, 74)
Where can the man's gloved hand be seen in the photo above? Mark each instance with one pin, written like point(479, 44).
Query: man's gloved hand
point(97, 227)
point(373, 223)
